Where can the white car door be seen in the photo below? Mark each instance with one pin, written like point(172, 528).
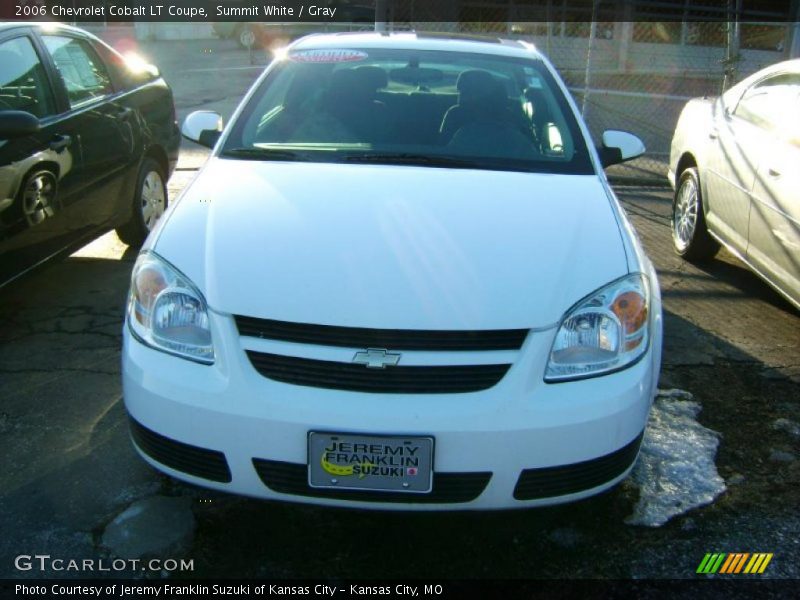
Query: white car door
point(774, 235)
point(730, 171)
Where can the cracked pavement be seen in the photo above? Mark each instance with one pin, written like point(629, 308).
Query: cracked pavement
point(70, 468)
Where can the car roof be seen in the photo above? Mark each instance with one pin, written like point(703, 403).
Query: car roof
point(786, 66)
point(419, 41)
point(49, 26)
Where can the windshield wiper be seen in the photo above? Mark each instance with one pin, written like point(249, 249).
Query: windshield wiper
point(263, 154)
point(406, 158)
point(386, 158)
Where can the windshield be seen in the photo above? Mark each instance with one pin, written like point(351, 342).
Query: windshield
point(400, 106)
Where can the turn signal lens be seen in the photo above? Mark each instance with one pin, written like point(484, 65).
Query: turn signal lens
point(148, 282)
point(167, 312)
point(630, 307)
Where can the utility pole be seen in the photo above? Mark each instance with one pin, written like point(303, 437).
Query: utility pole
point(794, 34)
point(732, 47)
point(588, 73)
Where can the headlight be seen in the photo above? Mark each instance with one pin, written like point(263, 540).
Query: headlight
point(166, 311)
point(606, 331)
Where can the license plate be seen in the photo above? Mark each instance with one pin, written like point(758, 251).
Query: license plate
point(367, 462)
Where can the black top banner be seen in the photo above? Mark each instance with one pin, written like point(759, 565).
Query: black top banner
point(398, 11)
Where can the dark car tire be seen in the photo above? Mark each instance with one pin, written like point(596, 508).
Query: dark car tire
point(149, 203)
point(690, 236)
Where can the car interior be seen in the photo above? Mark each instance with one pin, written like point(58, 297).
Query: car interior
point(22, 80)
point(470, 112)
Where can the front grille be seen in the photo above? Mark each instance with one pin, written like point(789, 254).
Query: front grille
point(396, 339)
point(200, 462)
point(357, 377)
point(448, 488)
point(569, 479)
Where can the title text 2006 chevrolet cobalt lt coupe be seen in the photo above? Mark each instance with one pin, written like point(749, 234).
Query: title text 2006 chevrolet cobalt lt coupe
point(401, 281)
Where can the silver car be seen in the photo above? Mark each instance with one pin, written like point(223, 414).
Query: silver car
point(735, 168)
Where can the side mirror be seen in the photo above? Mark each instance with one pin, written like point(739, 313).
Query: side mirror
point(619, 146)
point(727, 109)
point(144, 74)
point(203, 127)
point(17, 123)
point(138, 70)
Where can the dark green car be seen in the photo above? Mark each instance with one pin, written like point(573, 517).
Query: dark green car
point(87, 143)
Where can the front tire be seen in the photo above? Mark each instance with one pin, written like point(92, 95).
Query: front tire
point(690, 236)
point(149, 203)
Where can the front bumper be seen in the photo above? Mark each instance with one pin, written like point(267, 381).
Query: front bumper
point(520, 443)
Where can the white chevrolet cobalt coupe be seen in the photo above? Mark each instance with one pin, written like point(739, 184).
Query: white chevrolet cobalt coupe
point(401, 281)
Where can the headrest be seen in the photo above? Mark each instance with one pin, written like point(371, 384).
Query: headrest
point(478, 86)
point(376, 76)
point(303, 87)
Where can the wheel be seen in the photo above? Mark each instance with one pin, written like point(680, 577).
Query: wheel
point(39, 196)
point(149, 203)
point(247, 36)
point(690, 235)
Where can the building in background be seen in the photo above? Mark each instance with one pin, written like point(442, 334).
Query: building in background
point(662, 36)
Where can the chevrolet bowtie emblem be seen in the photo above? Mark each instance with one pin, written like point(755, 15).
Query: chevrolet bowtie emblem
point(376, 358)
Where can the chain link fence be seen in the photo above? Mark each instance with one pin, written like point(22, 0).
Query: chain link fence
point(626, 71)
point(629, 65)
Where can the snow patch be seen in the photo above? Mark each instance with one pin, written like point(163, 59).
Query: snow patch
point(675, 471)
point(158, 526)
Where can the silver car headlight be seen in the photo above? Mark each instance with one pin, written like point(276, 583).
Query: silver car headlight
point(606, 331)
point(167, 312)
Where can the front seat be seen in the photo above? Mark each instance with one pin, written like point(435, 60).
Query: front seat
point(481, 98)
point(351, 99)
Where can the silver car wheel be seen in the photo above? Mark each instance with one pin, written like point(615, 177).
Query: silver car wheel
point(38, 197)
point(684, 216)
point(154, 200)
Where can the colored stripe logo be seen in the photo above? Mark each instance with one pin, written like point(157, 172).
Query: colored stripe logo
point(733, 563)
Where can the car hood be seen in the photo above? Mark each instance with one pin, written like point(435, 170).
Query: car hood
point(392, 246)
